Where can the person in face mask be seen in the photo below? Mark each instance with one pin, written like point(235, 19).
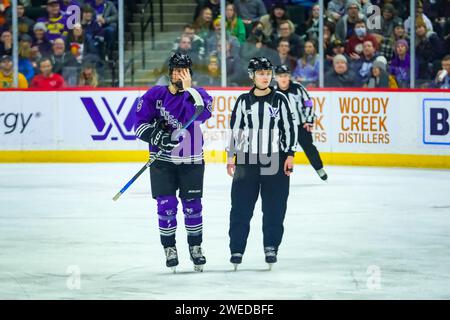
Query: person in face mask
point(354, 47)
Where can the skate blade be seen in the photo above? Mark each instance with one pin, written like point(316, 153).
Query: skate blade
point(270, 266)
point(198, 268)
point(235, 265)
point(174, 269)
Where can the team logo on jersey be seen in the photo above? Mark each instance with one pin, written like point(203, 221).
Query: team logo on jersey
point(105, 118)
point(274, 112)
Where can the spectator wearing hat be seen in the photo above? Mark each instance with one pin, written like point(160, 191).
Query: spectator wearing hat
point(6, 43)
point(379, 77)
point(388, 43)
point(307, 69)
point(25, 65)
point(336, 47)
point(40, 39)
point(428, 50)
point(47, 79)
point(389, 20)
point(419, 16)
point(234, 24)
point(6, 74)
point(346, 25)
point(400, 64)
point(340, 76)
point(55, 22)
point(271, 21)
point(354, 47)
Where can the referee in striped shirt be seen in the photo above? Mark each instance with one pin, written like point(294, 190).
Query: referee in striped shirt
point(260, 160)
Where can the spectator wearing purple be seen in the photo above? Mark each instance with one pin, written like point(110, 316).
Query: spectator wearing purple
point(65, 4)
point(388, 43)
point(55, 22)
point(400, 68)
point(40, 39)
point(307, 70)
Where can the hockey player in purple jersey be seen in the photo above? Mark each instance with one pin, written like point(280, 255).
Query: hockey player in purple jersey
point(161, 112)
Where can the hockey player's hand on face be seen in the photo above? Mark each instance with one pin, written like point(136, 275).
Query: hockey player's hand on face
point(308, 127)
point(289, 165)
point(231, 167)
point(186, 79)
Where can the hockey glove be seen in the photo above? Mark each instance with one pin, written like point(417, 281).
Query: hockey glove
point(161, 137)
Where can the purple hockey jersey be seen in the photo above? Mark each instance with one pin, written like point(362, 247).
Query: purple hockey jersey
point(176, 109)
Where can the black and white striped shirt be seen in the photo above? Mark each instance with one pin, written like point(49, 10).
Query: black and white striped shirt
point(300, 101)
point(262, 125)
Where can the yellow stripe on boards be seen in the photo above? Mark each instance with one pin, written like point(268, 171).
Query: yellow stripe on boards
point(351, 159)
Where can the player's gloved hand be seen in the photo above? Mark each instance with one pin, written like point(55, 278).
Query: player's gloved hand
point(161, 137)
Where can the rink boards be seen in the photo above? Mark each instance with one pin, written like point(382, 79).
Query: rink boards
point(363, 127)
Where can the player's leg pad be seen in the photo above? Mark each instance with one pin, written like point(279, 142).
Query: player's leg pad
point(192, 209)
point(167, 210)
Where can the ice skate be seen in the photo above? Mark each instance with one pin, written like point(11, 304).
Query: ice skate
point(171, 258)
point(322, 174)
point(271, 256)
point(197, 257)
point(236, 259)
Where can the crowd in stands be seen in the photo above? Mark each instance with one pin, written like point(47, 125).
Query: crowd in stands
point(61, 42)
point(358, 52)
point(359, 49)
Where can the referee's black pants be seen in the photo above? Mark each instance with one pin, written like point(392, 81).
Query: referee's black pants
point(248, 183)
point(306, 142)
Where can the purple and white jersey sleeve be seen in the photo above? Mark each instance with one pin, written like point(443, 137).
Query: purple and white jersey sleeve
point(145, 114)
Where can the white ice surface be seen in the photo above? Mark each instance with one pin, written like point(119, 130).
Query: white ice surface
point(54, 216)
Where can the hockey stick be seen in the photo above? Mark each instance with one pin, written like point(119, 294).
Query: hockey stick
point(199, 107)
